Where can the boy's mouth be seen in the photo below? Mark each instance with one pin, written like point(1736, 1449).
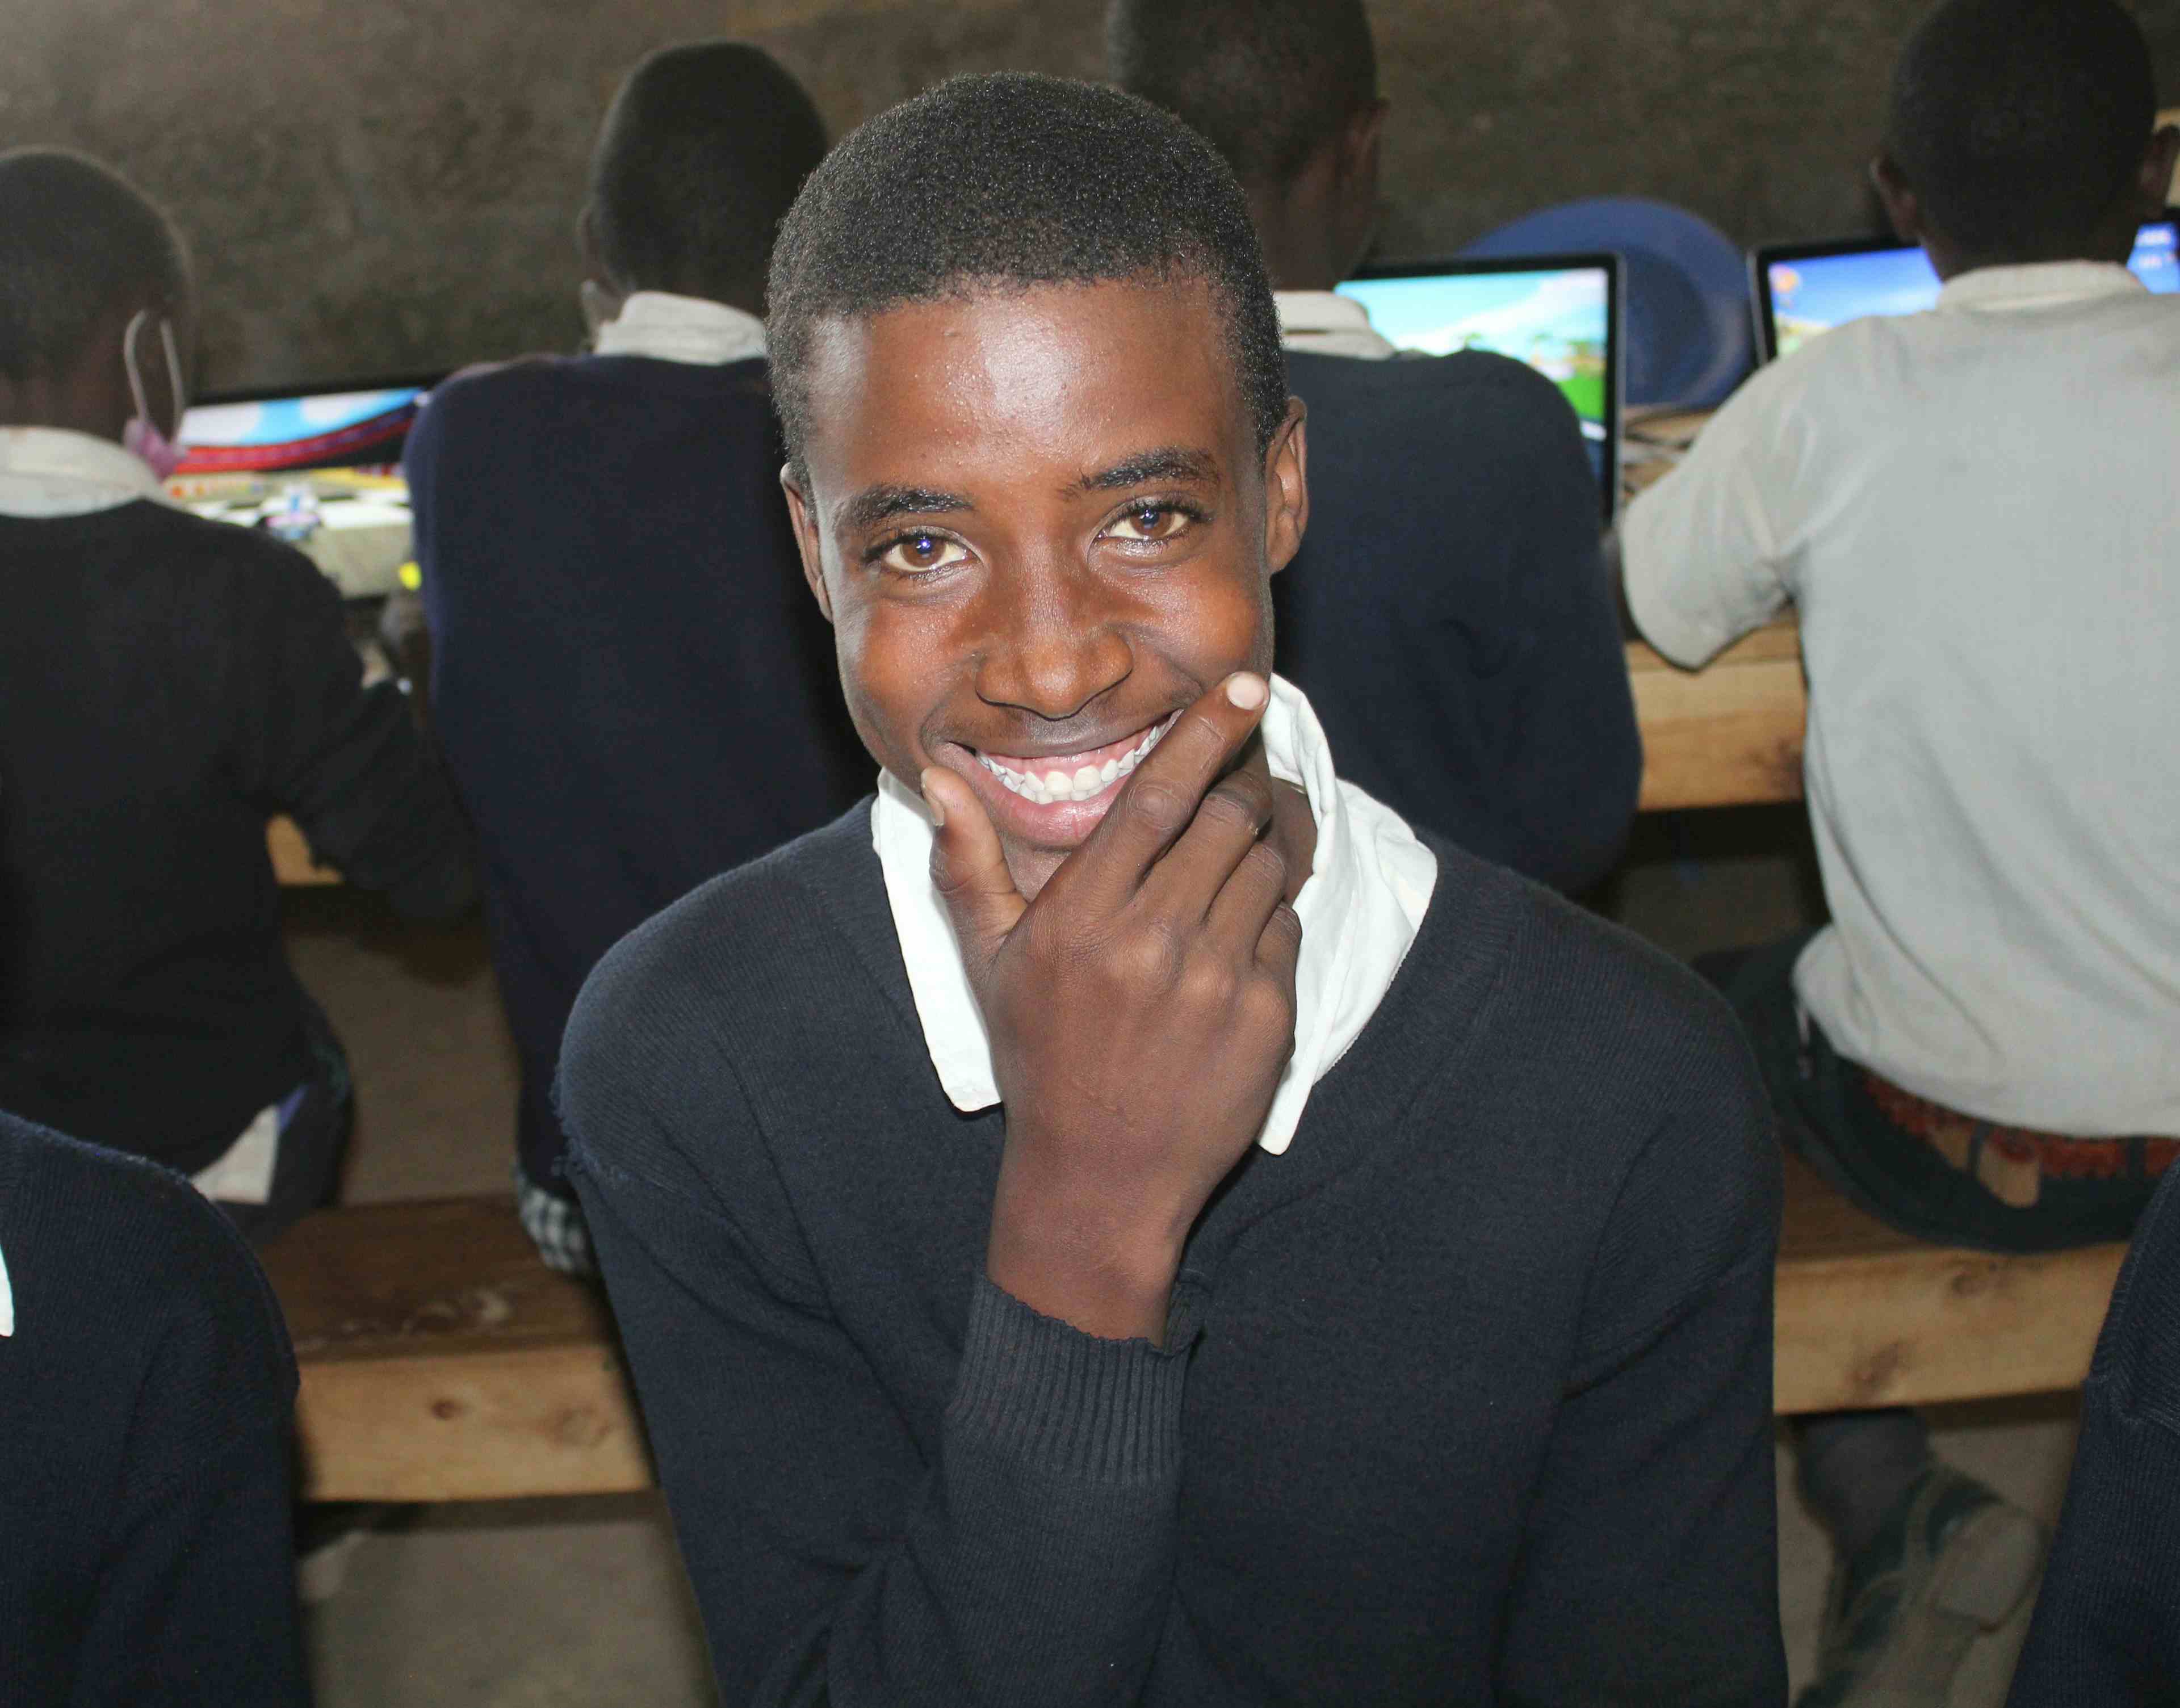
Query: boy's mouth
point(1051, 779)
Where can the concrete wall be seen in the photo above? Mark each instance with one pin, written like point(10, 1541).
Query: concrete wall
point(381, 184)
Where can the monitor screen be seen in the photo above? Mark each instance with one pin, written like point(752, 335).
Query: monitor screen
point(321, 470)
point(1558, 314)
point(1804, 291)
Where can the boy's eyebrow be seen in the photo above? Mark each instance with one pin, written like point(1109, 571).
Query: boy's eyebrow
point(1167, 462)
point(877, 504)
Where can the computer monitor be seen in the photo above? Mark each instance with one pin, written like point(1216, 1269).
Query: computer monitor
point(320, 468)
point(1803, 290)
point(1560, 313)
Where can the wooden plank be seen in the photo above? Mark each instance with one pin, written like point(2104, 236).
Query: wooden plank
point(1728, 735)
point(291, 855)
point(470, 1426)
point(1866, 1316)
point(441, 1361)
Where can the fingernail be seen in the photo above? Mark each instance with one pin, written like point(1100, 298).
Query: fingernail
point(930, 800)
point(1245, 691)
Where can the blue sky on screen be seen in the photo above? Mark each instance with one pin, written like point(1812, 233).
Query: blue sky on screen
point(1510, 312)
point(283, 420)
point(1831, 289)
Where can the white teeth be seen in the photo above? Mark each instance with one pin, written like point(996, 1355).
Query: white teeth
point(1086, 782)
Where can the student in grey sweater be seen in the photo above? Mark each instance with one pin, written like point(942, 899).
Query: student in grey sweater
point(1122, 1218)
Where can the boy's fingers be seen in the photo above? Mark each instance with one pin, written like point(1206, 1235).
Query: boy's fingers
point(969, 869)
point(1160, 800)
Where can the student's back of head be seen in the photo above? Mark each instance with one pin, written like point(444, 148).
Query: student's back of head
point(698, 161)
point(1287, 91)
point(82, 253)
point(2021, 131)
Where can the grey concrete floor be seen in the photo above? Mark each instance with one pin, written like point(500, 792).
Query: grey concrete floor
point(548, 1604)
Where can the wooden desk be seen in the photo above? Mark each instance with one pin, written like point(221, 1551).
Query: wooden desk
point(1727, 735)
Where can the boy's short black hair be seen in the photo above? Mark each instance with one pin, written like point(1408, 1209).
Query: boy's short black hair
point(698, 160)
point(1009, 181)
point(76, 240)
point(1269, 82)
point(2019, 122)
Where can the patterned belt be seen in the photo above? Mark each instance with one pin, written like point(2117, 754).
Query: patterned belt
point(2012, 1162)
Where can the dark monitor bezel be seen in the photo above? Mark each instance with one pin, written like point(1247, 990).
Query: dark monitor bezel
point(427, 381)
point(1616, 344)
point(1763, 258)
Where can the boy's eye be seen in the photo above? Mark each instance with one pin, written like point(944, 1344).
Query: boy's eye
point(1149, 522)
point(915, 554)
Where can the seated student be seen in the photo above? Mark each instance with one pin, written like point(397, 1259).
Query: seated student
point(632, 688)
point(146, 1398)
point(1448, 616)
point(2106, 1631)
point(1170, 1234)
point(166, 683)
point(1973, 510)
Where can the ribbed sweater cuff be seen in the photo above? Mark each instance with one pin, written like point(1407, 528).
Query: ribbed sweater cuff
point(1067, 1403)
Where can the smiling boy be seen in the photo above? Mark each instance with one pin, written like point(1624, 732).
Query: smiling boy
point(1121, 1217)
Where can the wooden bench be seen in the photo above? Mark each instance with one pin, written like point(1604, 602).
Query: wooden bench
point(441, 1361)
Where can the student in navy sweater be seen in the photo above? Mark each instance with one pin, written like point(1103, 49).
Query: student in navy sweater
point(1121, 1217)
point(147, 1395)
point(167, 683)
point(632, 688)
point(1448, 615)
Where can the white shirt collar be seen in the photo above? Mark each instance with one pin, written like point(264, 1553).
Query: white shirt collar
point(55, 471)
point(672, 328)
point(2038, 284)
point(1324, 323)
point(7, 1301)
point(1369, 885)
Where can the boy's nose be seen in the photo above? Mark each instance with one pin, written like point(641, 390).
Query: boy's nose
point(1054, 648)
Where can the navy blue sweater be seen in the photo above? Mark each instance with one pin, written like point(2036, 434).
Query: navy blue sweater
point(633, 686)
point(2106, 1632)
point(1467, 1398)
point(146, 1398)
point(166, 684)
point(1448, 615)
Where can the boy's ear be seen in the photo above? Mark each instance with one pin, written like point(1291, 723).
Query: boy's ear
point(2156, 181)
point(1902, 207)
point(804, 518)
point(1360, 144)
point(1286, 488)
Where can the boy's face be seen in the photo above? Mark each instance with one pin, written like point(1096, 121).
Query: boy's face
point(1040, 525)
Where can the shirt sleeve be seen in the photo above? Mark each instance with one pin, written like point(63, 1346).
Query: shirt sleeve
point(346, 761)
point(1700, 551)
point(1650, 1572)
point(1029, 1560)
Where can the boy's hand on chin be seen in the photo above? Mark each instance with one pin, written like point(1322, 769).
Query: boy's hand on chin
point(1141, 1010)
